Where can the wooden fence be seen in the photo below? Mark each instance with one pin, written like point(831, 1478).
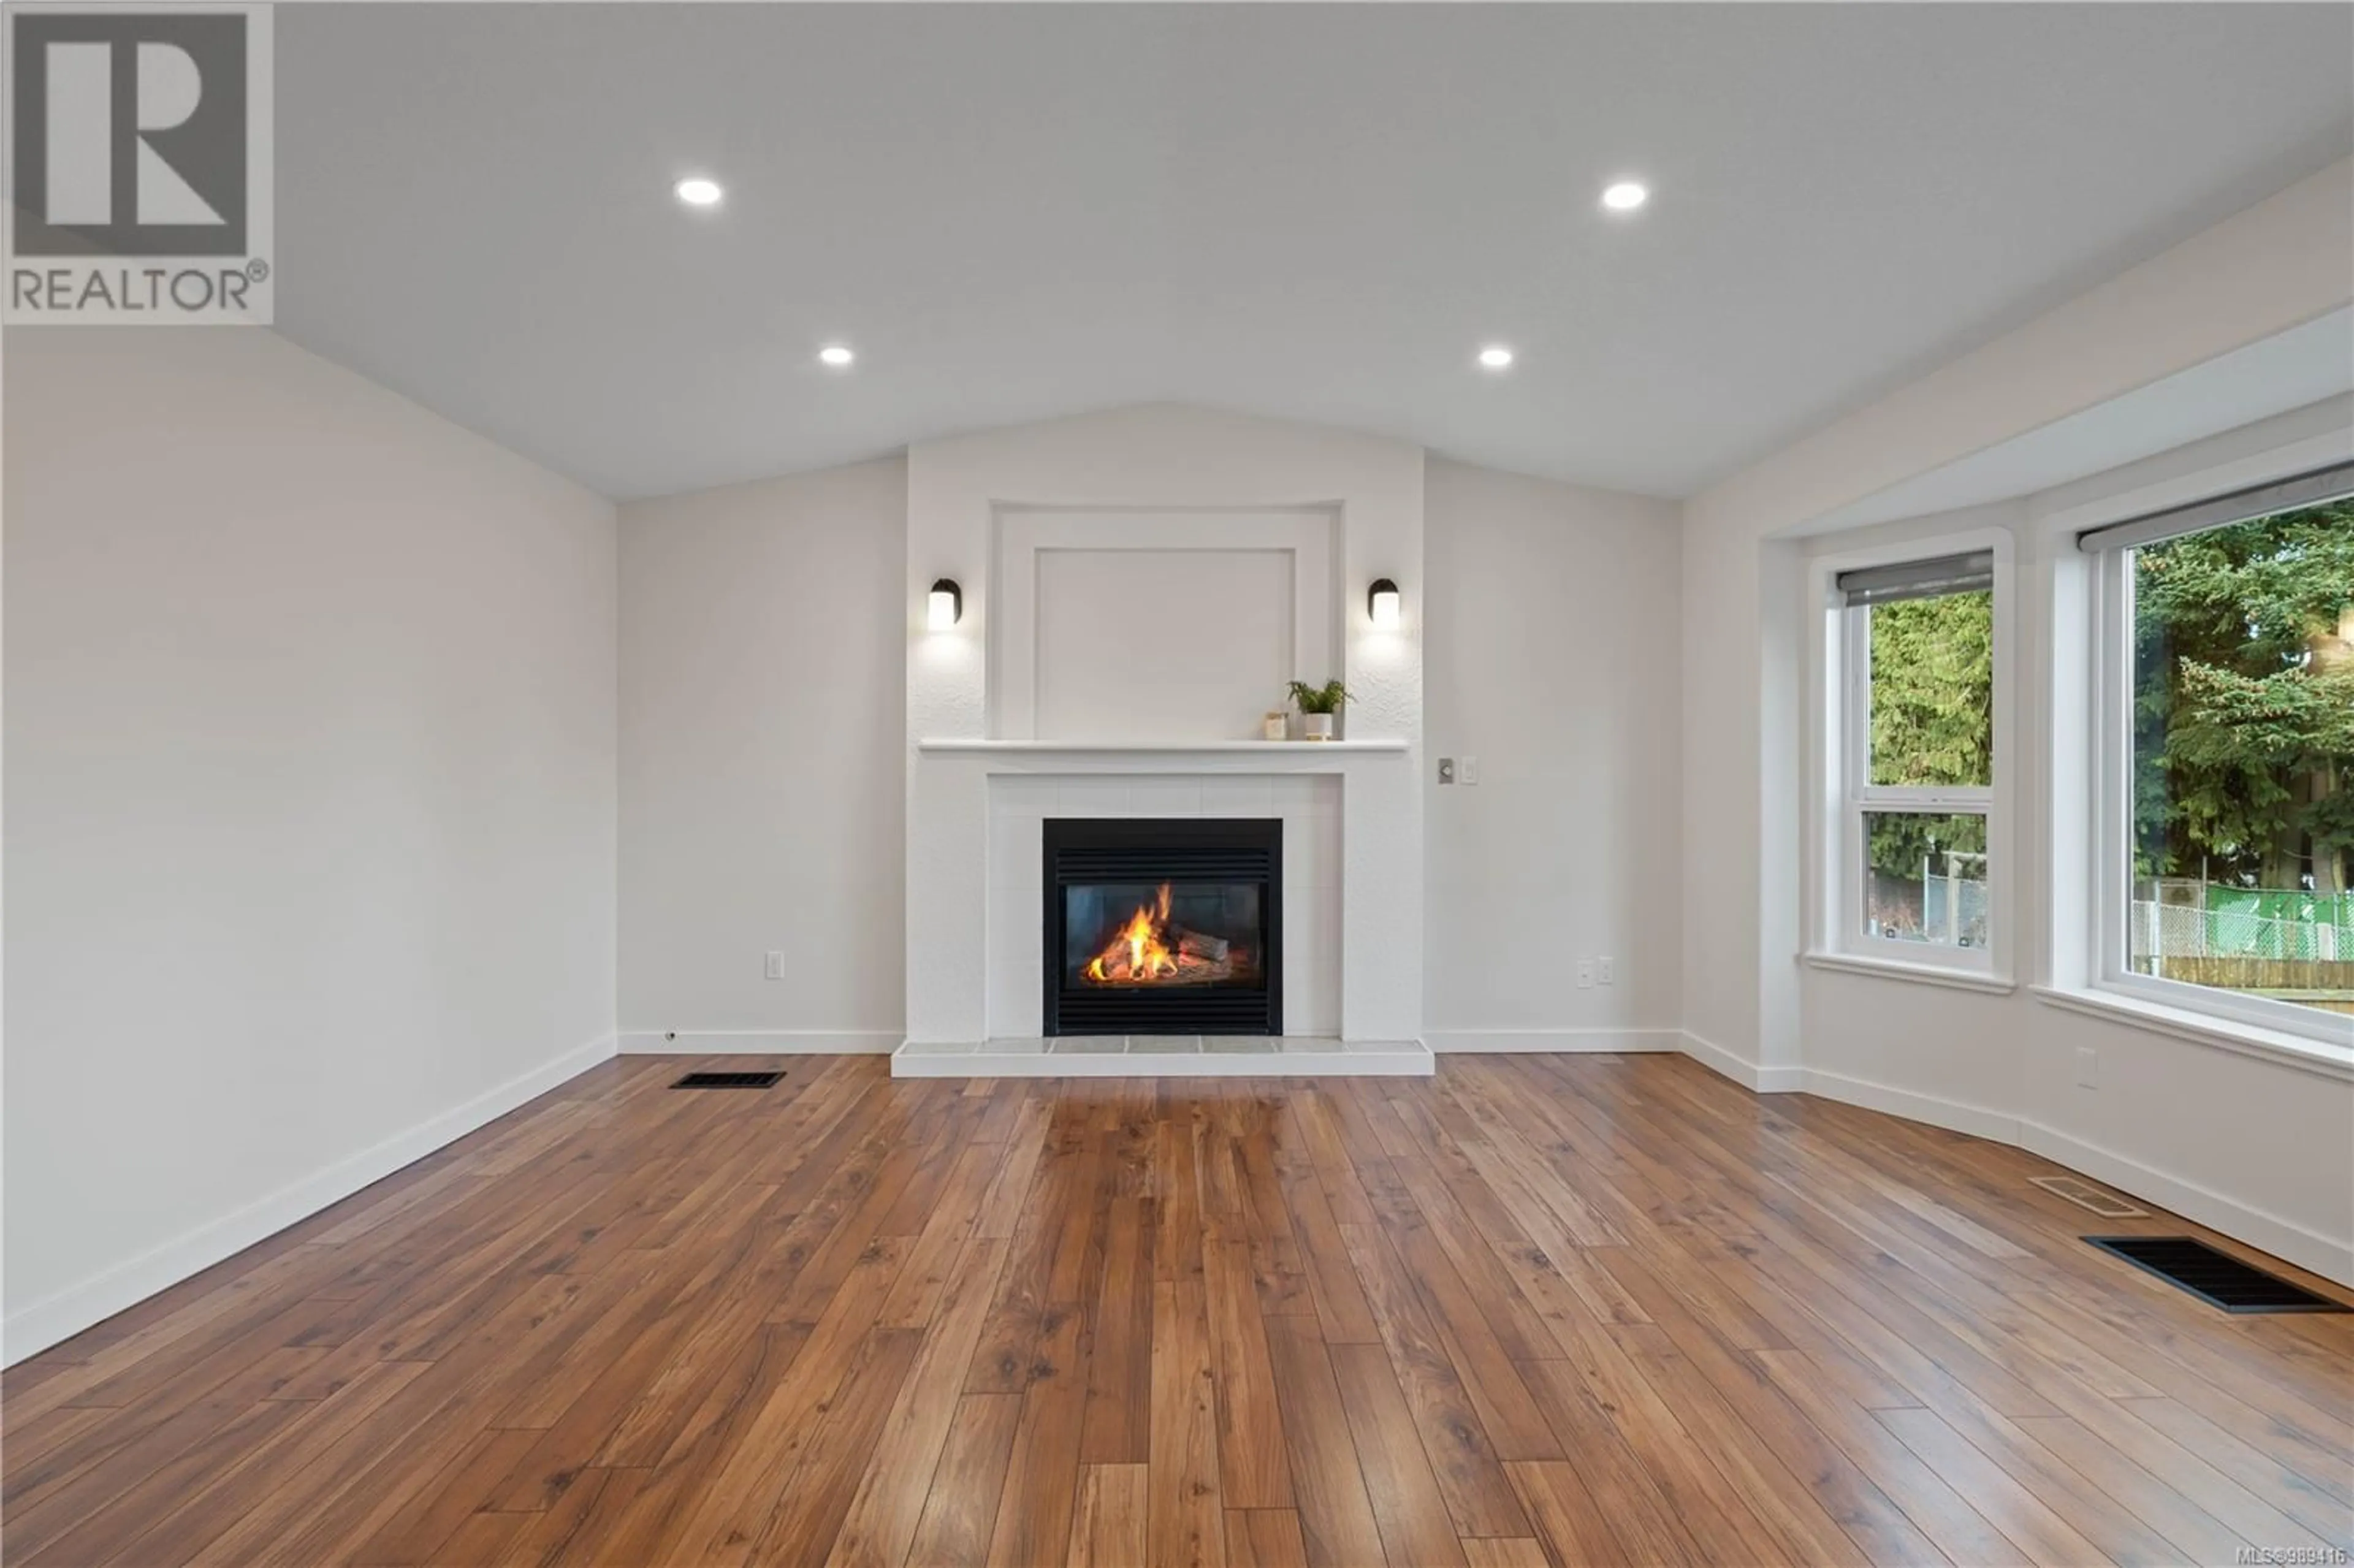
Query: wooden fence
point(2317, 983)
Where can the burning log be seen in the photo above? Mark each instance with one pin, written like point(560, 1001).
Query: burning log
point(1202, 946)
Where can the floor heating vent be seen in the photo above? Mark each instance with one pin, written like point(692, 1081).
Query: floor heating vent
point(2085, 1196)
point(2215, 1277)
point(727, 1080)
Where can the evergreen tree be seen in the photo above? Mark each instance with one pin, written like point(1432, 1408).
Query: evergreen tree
point(2242, 711)
point(2243, 701)
point(1932, 720)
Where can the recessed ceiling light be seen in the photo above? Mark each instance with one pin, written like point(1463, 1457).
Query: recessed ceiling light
point(698, 191)
point(835, 356)
point(1625, 195)
point(1496, 356)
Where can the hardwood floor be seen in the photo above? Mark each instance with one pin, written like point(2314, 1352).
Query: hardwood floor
point(1562, 1311)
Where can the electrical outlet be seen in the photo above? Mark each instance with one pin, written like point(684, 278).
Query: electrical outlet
point(1467, 770)
point(776, 969)
point(2088, 1068)
point(1446, 770)
point(1606, 970)
point(1584, 973)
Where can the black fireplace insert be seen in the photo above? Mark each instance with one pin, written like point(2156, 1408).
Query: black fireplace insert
point(1163, 925)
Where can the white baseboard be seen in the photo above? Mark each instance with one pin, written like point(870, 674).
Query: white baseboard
point(2282, 1238)
point(1747, 1073)
point(35, 1328)
point(1954, 1116)
point(1577, 1040)
point(759, 1041)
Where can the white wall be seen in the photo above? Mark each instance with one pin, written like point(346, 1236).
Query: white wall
point(1546, 614)
point(1553, 655)
point(2248, 1144)
point(310, 758)
point(762, 684)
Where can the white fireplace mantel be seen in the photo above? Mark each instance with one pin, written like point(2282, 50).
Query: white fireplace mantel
point(1168, 753)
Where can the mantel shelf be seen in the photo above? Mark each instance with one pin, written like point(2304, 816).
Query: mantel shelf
point(1161, 747)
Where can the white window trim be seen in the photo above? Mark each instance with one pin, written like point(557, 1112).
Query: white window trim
point(2263, 1021)
point(1839, 714)
point(1950, 976)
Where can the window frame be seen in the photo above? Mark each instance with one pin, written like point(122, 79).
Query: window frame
point(2112, 823)
point(1844, 794)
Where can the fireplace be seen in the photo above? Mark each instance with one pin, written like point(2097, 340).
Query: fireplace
point(1163, 925)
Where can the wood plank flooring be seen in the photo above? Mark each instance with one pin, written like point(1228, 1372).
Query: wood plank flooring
point(1535, 1311)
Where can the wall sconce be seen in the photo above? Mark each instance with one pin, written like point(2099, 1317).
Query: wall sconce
point(1382, 604)
point(947, 604)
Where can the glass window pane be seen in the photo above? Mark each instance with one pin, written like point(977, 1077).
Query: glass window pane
point(1924, 878)
point(2243, 766)
point(1933, 690)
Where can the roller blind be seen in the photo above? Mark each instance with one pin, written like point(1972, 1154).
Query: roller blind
point(2239, 506)
point(1972, 573)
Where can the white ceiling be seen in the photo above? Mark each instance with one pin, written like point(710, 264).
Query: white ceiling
point(1316, 212)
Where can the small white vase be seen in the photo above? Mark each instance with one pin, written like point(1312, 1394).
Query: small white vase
point(1318, 726)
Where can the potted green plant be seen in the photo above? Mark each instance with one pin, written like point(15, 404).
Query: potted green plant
point(1317, 706)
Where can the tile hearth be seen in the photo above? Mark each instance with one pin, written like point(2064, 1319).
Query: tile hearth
point(1148, 1055)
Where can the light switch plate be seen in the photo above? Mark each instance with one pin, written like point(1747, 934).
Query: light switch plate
point(1446, 770)
point(1467, 770)
point(775, 966)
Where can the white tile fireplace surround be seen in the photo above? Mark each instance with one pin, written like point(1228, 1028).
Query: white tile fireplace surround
point(1307, 804)
point(1138, 588)
point(1345, 1009)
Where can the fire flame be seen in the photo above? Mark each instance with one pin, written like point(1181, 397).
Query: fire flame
point(1138, 950)
point(1152, 949)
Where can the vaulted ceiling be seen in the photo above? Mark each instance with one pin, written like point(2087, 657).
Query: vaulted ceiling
point(1315, 212)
